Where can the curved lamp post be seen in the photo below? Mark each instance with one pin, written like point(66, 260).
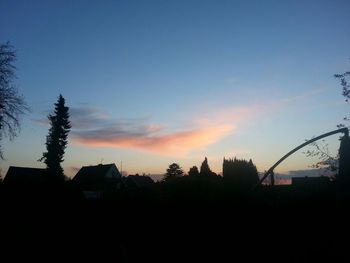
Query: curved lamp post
point(270, 171)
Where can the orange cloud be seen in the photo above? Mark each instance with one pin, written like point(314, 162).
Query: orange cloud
point(177, 143)
point(138, 134)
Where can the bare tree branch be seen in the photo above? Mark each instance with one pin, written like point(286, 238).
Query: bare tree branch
point(12, 104)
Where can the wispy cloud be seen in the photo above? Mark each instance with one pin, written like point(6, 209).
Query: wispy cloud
point(309, 173)
point(171, 143)
point(231, 81)
point(306, 95)
point(85, 116)
point(82, 117)
point(93, 128)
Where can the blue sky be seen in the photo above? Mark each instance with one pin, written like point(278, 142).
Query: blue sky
point(156, 82)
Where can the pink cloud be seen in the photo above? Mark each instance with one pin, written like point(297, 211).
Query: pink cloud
point(176, 143)
point(137, 134)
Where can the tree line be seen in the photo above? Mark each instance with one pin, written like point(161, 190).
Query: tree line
point(238, 172)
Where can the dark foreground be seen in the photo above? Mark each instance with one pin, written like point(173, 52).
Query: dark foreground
point(268, 227)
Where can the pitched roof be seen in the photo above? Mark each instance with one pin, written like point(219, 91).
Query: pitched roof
point(92, 175)
point(25, 175)
point(94, 170)
point(138, 181)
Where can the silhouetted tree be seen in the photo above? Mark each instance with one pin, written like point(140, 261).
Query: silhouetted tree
point(56, 141)
point(344, 84)
point(174, 171)
point(328, 160)
point(193, 171)
point(205, 169)
point(12, 105)
point(344, 150)
point(345, 91)
point(242, 173)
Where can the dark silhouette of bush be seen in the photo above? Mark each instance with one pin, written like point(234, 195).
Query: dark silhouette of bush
point(174, 171)
point(241, 173)
point(193, 172)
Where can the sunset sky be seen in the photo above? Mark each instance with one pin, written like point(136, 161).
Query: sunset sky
point(149, 83)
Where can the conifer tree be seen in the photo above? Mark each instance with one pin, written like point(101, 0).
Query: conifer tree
point(205, 169)
point(56, 141)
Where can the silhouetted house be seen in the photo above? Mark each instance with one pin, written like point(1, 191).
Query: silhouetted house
point(98, 179)
point(137, 181)
point(24, 178)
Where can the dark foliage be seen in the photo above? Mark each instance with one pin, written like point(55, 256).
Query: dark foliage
point(345, 91)
point(343, 179)
point(56, 141)
point(205, 169)
point(344, 83)
point(241, 173)
point(326, 159)
point(174, 171)
point(193, 171)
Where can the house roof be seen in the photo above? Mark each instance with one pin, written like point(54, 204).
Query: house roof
point(90, 175)
point(25, 175)
point(138, 181)
point(94, 170)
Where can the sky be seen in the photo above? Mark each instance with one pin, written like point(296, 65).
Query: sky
point(150, 83)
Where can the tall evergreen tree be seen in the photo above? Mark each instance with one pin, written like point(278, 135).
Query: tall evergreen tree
point(205, 169)
point(56, 141)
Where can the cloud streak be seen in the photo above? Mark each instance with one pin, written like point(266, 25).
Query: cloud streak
point(93, 128)
point(178, 143)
